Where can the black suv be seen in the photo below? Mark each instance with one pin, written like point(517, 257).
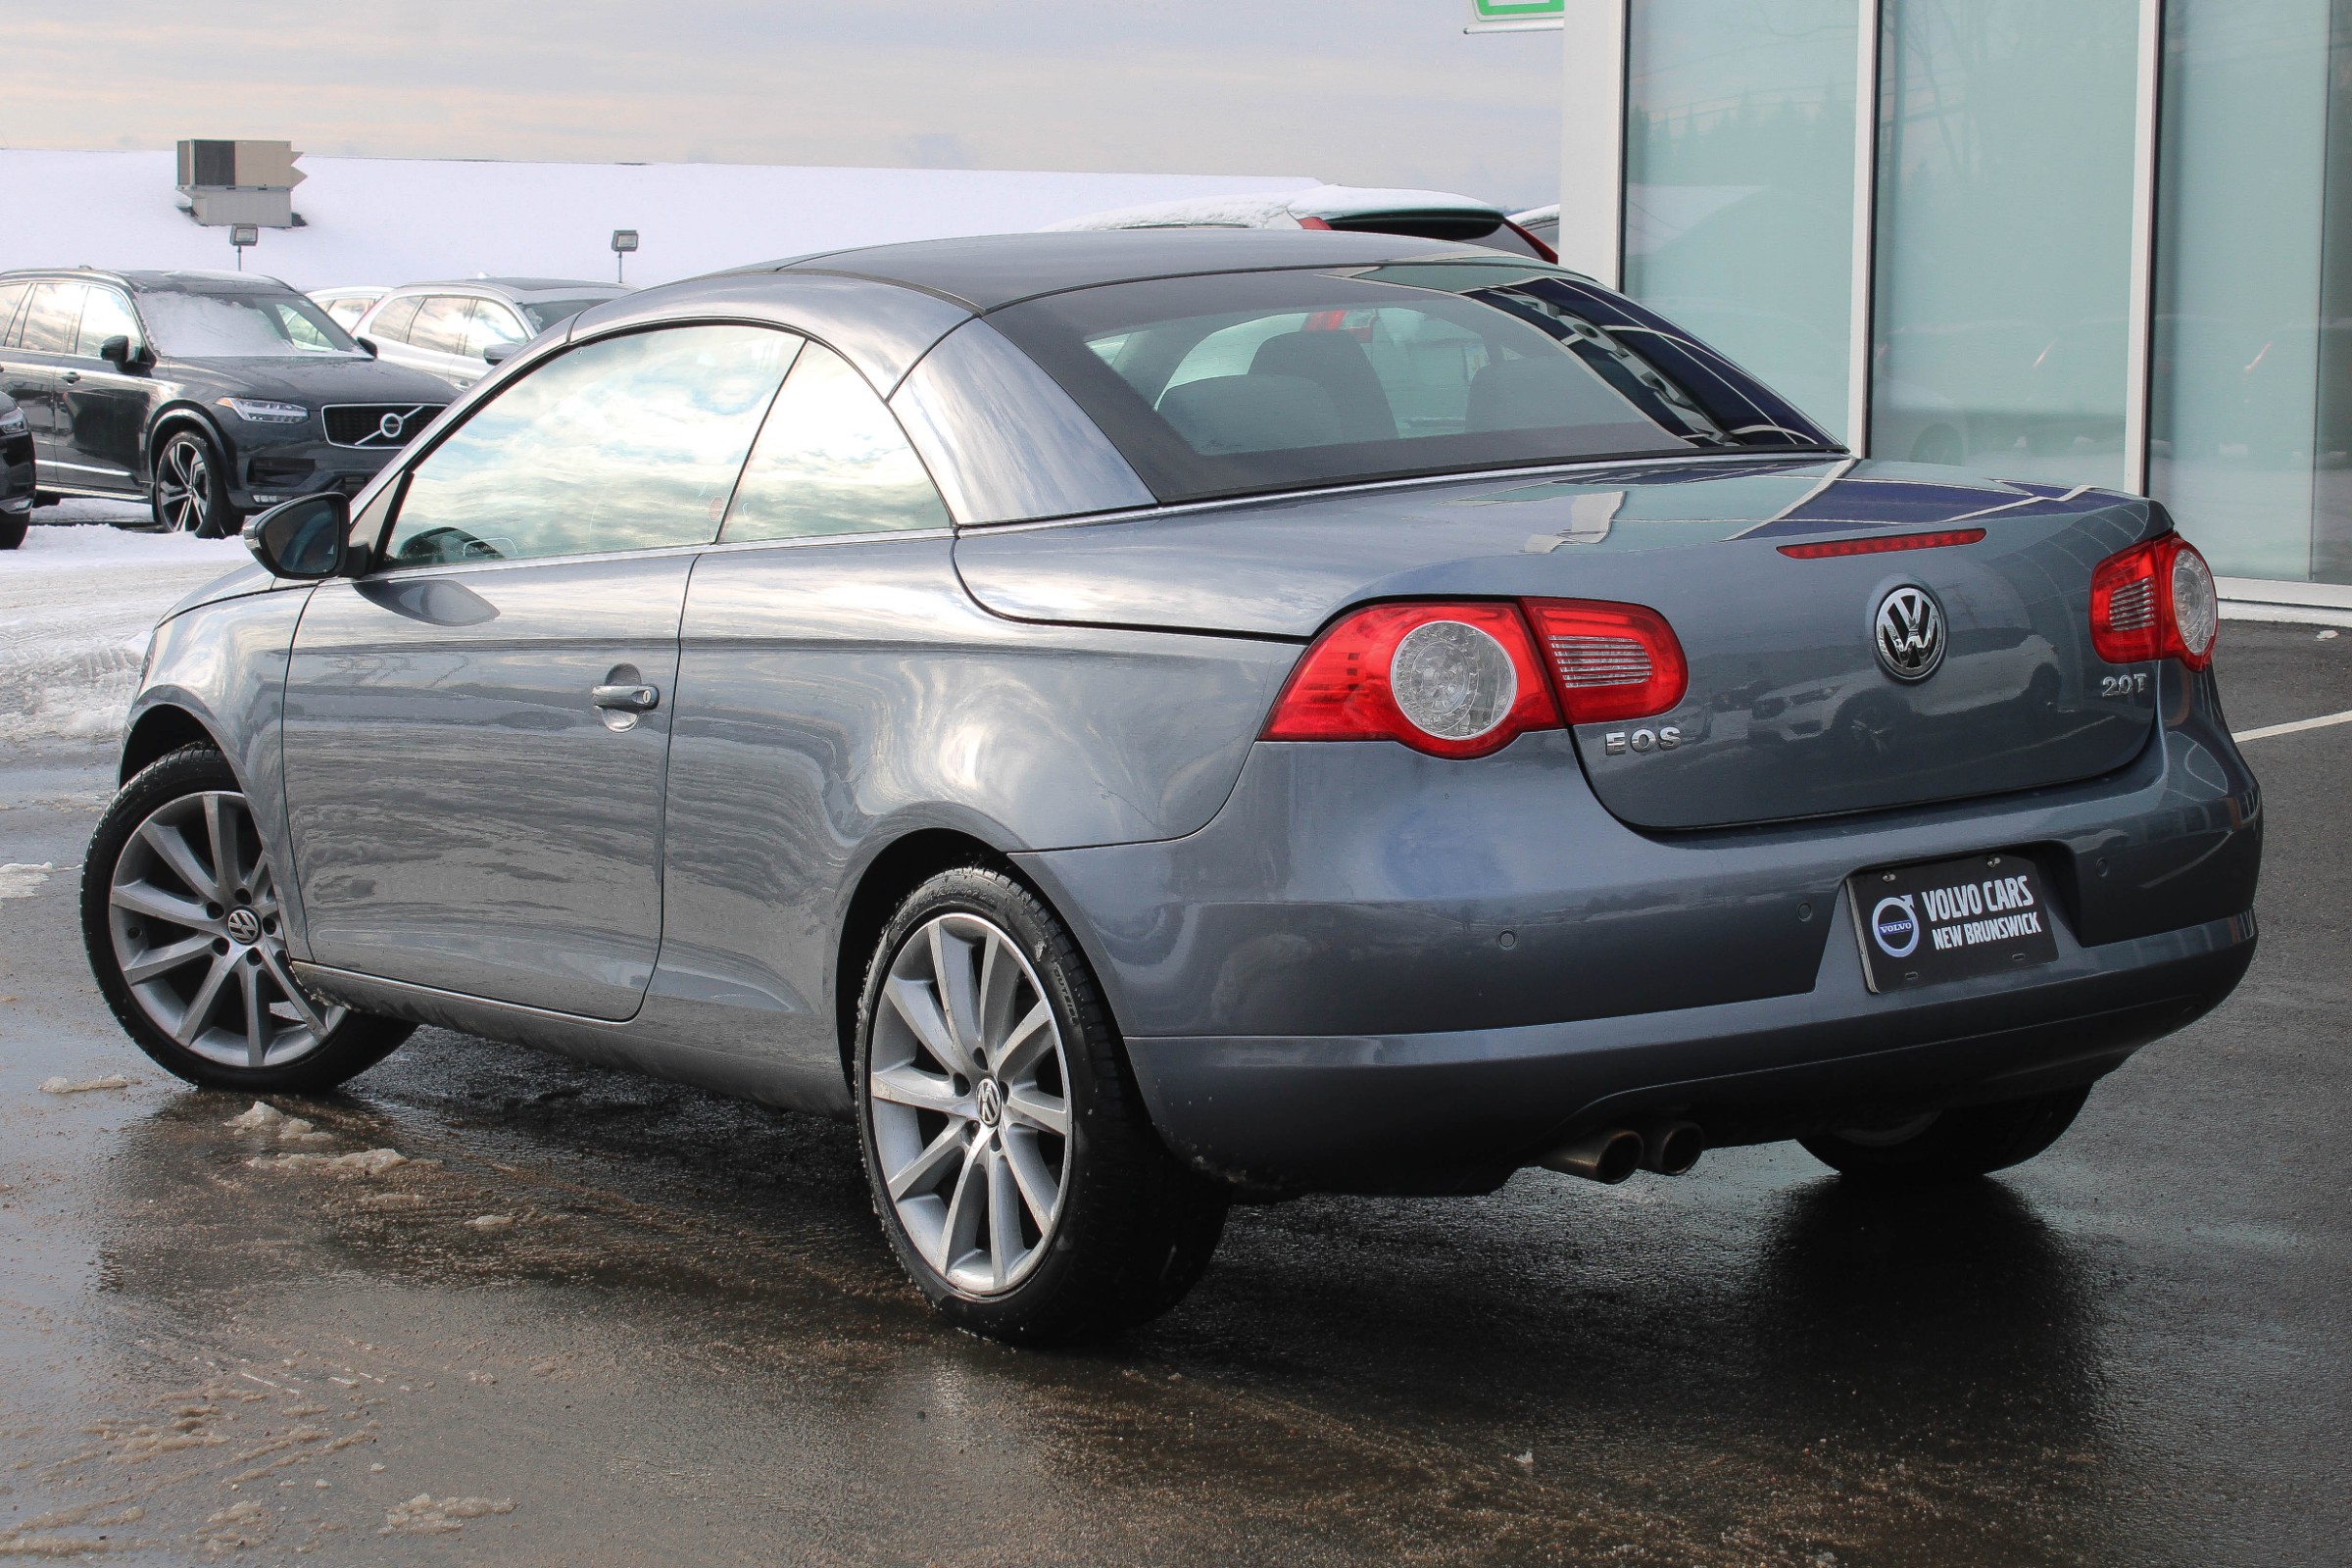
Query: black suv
point(213, 394)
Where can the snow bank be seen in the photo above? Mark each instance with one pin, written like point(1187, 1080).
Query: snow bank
point(77, 605)
point(408, 219)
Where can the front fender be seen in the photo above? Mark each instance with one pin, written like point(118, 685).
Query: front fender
point(224, 665)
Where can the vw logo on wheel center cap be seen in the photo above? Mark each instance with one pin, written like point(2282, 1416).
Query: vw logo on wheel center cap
point(244, 925)
point(1908, 632)
point(992, 1103)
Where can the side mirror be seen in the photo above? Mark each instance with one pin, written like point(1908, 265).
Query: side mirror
point(305, 539)
point(500, 352)
point(366, 346)
point(119, 352)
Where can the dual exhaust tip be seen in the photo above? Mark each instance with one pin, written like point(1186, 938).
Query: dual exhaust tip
point(1611, 1154)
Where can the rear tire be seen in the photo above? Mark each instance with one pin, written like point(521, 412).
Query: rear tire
point(180, 917)
point(12, 531)
point(980, 1030)
point(1949, 1146)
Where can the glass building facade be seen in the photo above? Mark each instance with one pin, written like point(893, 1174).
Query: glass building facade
point(2103, 242)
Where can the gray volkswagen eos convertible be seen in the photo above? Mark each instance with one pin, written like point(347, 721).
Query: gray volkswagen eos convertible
point(1141, 720)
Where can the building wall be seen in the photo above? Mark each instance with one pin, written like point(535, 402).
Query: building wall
point(2082, 256)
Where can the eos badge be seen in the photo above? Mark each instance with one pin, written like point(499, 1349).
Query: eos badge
point(1665, 738)
point(1908, 632)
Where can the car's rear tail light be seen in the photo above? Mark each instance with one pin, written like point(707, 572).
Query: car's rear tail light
point(1609, 661)
point(1449, 679)
point(1883, 543)
point(2155, 601)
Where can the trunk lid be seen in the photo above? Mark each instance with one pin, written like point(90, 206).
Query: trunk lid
point(1790, 711)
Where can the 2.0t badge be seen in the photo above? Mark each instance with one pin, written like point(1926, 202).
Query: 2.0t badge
point(1908, 632)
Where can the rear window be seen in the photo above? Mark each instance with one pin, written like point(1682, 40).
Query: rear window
point(1234, 384)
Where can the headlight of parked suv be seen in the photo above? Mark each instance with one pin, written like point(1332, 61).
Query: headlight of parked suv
point(13, 423)
point(262, 412)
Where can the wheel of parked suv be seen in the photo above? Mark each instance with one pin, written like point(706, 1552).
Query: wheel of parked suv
point(190, 494)
point(12, 531)
point(1011, 1162)
point(1949, 1146)
point(180, 914)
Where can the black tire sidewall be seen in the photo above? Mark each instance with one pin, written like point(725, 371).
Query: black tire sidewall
point(1960, 1144)
point(355, 1044)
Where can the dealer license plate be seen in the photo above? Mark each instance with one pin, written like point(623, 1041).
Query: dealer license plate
point(1921, 925)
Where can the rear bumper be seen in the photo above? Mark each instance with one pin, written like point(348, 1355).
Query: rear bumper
point(1380, 971)
point(1459, 1111)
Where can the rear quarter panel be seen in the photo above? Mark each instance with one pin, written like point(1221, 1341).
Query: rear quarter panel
point(834, 697)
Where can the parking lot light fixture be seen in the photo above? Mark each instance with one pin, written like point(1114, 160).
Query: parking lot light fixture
point(624, 240)
point(243, 236)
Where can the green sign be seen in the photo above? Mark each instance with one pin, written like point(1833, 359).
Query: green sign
point(1516, 16)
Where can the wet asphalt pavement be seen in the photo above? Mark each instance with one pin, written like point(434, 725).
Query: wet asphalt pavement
point(596, 1319)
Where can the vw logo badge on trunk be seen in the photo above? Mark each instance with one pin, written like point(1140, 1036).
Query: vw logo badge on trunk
point(1908, 632)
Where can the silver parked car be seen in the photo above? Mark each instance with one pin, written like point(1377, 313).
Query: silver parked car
point(458, 330)
point(345, 306)
point(1352, 209)
point(1142, 720)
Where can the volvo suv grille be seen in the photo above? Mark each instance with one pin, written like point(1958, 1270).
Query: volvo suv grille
point(377, 424)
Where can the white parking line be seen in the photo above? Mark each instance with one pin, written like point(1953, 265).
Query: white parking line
point(2269, 730)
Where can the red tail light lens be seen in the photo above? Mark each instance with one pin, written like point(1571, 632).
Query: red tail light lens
point(1609, 661)
point(2155, 601)
point(1449, 679)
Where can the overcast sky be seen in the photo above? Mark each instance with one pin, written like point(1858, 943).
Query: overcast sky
point(1371, 92)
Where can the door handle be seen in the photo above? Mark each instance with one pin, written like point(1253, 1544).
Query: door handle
point(70, 377)
point(626, 699)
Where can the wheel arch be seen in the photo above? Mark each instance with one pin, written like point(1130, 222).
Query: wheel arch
point(170, 418)
point(904, 865)
point(156, 733)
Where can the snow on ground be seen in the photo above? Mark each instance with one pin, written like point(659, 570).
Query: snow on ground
point(78, 600)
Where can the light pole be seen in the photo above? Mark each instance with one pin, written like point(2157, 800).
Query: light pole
point(243, 237)
point(624, 240)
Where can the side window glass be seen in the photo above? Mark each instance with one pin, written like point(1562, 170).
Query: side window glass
point(12, 295)
point(346, 313)
point(831, 459)
point(106, 315)
point(491, 323)
point(628, 443)
point(392, 323)
point(440, 323)
point(51, 317)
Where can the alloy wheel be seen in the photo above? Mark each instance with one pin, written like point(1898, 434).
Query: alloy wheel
point(968, 1091)
point(183, 485)
point(199, 936)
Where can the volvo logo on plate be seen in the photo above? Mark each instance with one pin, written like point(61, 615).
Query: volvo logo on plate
point(1908, 632)
point(1896, 924)
point(390, 426)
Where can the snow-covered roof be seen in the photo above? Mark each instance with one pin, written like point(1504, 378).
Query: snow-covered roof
point(372, 220)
